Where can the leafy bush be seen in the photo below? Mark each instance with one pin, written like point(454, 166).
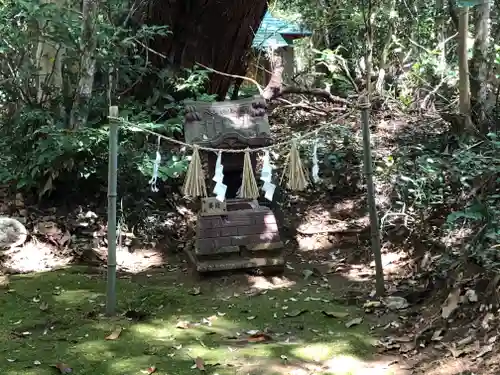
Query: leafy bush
point(40, 152)
point(428, 183)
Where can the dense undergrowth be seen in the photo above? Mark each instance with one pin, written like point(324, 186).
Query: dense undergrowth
point(443, 189)
point(449, 197)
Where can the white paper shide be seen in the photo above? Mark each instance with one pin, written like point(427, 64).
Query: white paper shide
point(156, 165)
point(266, 175)
point(220, 188)
point(315, 167)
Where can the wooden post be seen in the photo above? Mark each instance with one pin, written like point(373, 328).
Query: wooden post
point(374, 225)
point(112, 177)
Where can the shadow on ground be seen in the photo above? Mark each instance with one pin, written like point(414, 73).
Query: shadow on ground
point(56, 317)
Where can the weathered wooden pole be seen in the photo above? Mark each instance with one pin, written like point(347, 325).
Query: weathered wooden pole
point(364, 105)
point(112, 177)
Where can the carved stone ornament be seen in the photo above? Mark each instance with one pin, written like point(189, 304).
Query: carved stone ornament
point(229, 124)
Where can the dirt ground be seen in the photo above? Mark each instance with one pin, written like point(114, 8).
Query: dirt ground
point(335, 250)
point(327, 235)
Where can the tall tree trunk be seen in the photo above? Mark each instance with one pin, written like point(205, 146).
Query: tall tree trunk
point(386, 48)
point(322, 7)
point(369, 21)
point(479, 67)
point(88, 44)
point(441, 35)
point(49, 55)
point(217, 34)
point(463, 69)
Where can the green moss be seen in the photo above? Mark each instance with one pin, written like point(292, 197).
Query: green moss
point(72, 329)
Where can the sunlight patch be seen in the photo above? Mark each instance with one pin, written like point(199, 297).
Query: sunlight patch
point(34, 256)
point(77, 296)
point(392, 262)
point(346, 365)
point(25, 372)
point(154, 331)
point(135, 365)
point(313, 243)
point(315, 352)
point(93, 349)
point(138, 260)
point(265, 283)
point(358, 273)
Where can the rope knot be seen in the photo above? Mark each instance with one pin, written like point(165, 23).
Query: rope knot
point(363, 102)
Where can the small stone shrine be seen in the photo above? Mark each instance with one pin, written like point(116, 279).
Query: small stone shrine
point(235, 233)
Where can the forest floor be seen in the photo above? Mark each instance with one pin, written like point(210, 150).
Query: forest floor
point(172, 324)
point(319, 317)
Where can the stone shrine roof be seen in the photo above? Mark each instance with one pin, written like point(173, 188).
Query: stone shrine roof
point(229, 123)
point(275, 32)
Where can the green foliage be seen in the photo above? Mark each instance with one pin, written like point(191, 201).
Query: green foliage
point(429, 181)
point(338, 69)
point(39, 153)
point(497, 57)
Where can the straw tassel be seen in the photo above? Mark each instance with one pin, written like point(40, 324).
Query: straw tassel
point(249, 187)
point(297, 179)
point(194, 184)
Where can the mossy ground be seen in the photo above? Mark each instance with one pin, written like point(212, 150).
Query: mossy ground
point(53, 317)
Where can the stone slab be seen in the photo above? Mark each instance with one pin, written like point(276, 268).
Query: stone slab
point(243, 263)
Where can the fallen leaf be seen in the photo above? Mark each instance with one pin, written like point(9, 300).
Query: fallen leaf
point(65, 239)
point(335, 314)
point(115, 334)
point(471, 295)
point(485, 323)
point(465, 341)
point(396, 303)
point(437, 335)
point(294, 313)
point(149, 370)
point(44, 306)
point(388, 344)
point(4, 282)
point(486, 349)
point(63, 368)
point(210, 319)
point(370, 304)
point(407, 347)
point(183, 324)
point(354, 322)
point(450, 304)
point(456, 352)
point(195, 291)
point(259, 337)
point(307, 274)
point(199, 363)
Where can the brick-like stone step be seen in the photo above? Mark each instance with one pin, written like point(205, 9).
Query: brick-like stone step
point(236, 249)
point(265, 246)
point(218, 250)
point(233, 264)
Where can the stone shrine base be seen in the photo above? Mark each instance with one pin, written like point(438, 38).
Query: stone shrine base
point(246, 236)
